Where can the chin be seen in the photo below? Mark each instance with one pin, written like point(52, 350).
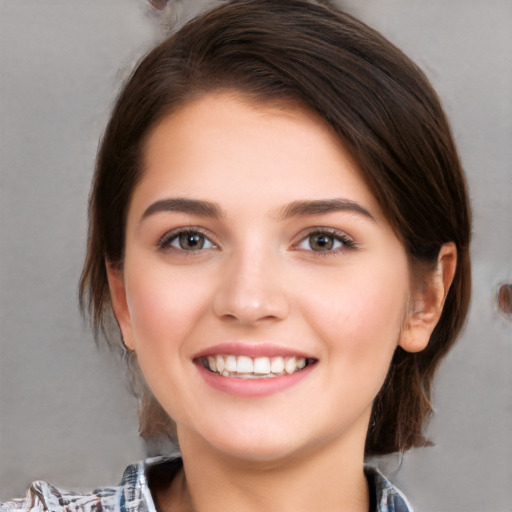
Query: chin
point(267, 453)
point(250, 444)
point(262, 445)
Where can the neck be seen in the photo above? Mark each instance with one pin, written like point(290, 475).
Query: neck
point(327, 478)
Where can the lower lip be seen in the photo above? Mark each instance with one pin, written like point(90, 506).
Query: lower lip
point(253, 387)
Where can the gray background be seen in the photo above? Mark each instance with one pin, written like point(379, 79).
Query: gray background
point(65, 412)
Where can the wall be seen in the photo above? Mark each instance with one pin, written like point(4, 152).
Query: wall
point(65, 414)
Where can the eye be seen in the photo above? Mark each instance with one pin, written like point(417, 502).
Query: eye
point(189, 240)
point(326, 241)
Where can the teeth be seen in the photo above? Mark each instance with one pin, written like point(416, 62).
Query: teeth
point(290, 366)
point(244, 364)
point(277, 365)
point(212, 364)
point(219, 361)
point(262, 365)
point(230, 364)
point(245, 367)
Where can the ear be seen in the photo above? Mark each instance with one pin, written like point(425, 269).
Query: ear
point(119, 301)
point(427, 301)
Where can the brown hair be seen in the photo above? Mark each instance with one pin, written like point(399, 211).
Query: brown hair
point(378, 102)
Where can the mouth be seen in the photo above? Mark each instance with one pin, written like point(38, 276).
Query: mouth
point(245, 367)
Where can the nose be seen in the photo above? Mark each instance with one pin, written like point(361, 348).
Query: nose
point(251, 290)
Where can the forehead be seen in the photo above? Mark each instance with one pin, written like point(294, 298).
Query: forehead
point(228, 145)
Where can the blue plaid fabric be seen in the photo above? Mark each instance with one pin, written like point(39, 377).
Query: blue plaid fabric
point(133, 494)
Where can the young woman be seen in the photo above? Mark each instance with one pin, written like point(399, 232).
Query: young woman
point(279, 224)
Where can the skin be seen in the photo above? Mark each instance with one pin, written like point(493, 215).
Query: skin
point(260, 279)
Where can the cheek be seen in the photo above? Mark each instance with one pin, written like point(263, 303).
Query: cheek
point(166, 309)
point(362, 314)
point(165, 306)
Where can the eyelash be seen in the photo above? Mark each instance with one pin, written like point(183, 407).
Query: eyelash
point(346, 243)
point(165, 243)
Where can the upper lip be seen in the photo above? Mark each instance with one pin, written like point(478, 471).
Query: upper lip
point(251, 350)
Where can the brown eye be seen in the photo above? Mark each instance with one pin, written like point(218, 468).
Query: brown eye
point(326, 241)
point(186, 240)
point(321, 242)
point(191, 241)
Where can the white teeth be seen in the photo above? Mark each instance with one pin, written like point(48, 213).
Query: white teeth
point(245, 367)
point(262, 365)
point(230, 364)
point(219, 360)
point(244, 364)
point(212, 363)
point(277, 365)
point(290, 365)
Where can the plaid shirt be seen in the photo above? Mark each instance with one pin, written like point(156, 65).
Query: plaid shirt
point(133, 494)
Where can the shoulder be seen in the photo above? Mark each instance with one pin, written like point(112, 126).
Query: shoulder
point(386, 497)
point(42, 496)
point(131, 495)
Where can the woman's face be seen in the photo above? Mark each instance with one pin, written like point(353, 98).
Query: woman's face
point(263, 290)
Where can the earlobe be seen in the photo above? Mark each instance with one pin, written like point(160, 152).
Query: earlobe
point(119, 303)
point(427, 301)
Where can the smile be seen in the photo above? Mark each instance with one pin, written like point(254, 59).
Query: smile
point(245, 367)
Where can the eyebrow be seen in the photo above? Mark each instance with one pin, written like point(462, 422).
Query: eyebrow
point(319, 207)
point(294, 209)
point(184, 205)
